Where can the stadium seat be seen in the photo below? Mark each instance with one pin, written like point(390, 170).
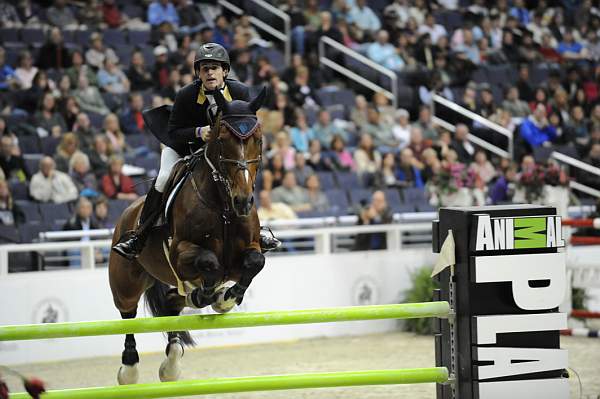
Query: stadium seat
point(97, 120)
point(425, 207)
point(347, 180)
point(136, 140)
point(53, 212)
point(19, 190)
point(392, 197)
point(9, 35)
point(9, 235)
point(82, 37)
point(138, 37)
point(338, 201)
point(345, 97)
point(114, 37)
point(327, 180)
point(31, 36)
point(359, 197)
point(32, 162)
point(414, 195)
point(30, 232)
point(115, 209)
point(31, 210)
point(30, 145)
point(49, 145)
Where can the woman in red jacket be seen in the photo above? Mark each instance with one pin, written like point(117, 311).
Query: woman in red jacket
point(115, 184)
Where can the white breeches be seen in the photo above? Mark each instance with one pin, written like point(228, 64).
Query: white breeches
point(168, 158)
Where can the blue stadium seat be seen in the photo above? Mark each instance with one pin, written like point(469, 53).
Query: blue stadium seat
point(136, 140)
point(9, 35)
point(425, 207)
point(134, 11)
point(138, 37)
point(19, 190)
point(359, 196)
point(31, 210)
point(30, 232)
point(347, 180)
point(414, 195)
point(113, 37)
point(97, 120)
point(327, 180)
point(345, 97)
point(30, 145)
point(53, 212)
point(142, 184)
point(49, 145)
point(82, 37)
point(32, 162)
point(326, 95)
point(338, 201)
point(392, 197)
point(116, 208)
point(31, 36)
point(9, 235)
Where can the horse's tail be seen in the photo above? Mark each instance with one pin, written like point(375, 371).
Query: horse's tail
point(158, 304)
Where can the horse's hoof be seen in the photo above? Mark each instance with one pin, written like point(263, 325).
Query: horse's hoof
point(170, 369)
point(221, 305)
point(128, 374)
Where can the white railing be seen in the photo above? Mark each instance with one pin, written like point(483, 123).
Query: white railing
point(323, 241)
point(508, 153)
point(392, 94)
point(284, 37)
point(576, 163)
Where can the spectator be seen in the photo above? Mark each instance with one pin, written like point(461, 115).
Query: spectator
point(536, 129)
point(316, 160)
point(409, 170)
point(484, 168)
point(82, 220)
point(461, 144)
point(503, 187)
point(301, 169)
point(381, 133)
point(12, 163)
point(162, 12)
point(425, 123)
point(100, 216)
point(524, 84)
point(29, 99)
point(79, 68)
point(358, 115)
point(111, 14)
point(578, 125)
point(115, 185)
point(301, 133)
point(113, 132)
point(132, 120)
point(520, 11)
point(10, 213)
point(571, 49)
point(341, 158)
point(47, 117)
point(401, 128)
point(417, 144)
point(84, 131)
point(548, 49)
point(8, 79)
point(513, 104)
point(100, 154)
point(91, 16)
point(243, 66)
point(89, 98)
point(26, 71)
point(375, 213)
point(487, 105)
point(366, 157)
point(138, 75)
point(68, 146)
point(269, 210)
point(111, 79)
point(83, 178)
point(173, 86)
point(432, 165)
point(60, 15)
point(97, 52)
point(51, 185)
point(387, 176)
point(160, 74)
point(291, 194)
point(54, 54)
point(316, 198)
point(364, 18)
point(263, 71)
point(275, 171)
point(434, 30)
point(593, 159)
point(383, 53)
point(222, 32)
point(324, 129)
point(282, 146)
point(302, 92)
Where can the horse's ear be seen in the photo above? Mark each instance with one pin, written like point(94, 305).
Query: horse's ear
point(258, 101)
point(220, 100)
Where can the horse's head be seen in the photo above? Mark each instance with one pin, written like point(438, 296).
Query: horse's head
point(235, 149)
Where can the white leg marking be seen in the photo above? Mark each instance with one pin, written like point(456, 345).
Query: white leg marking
point(170, 369)
point(128, 374)
point(221, 305)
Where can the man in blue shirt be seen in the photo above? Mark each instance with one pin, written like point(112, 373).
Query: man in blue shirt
point(7, 73)
point(162, 11)
point(570, 49)
point(363, 17)
point(536, 129)
point(383, 53)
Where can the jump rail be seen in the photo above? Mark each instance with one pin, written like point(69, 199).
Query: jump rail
point(233, 320)
point(249, 384)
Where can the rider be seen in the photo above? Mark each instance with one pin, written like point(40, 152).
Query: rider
point(189, 126)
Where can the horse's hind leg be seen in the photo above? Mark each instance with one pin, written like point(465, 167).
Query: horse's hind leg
point(252, 264)
point(128, 372)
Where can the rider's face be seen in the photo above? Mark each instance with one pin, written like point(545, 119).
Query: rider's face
point(212, 75)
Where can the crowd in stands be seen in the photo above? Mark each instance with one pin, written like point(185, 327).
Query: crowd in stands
point(75, 77)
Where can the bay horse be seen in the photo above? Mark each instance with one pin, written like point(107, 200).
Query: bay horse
point(212, 237)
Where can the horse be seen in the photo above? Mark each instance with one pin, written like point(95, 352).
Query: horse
point(209, 242)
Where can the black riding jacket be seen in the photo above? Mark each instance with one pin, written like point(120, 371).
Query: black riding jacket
point(190, 109)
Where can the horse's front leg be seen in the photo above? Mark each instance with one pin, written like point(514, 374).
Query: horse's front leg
point(252, 264)
point(201, 267)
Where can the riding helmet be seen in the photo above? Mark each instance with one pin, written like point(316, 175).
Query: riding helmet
point(212, 52)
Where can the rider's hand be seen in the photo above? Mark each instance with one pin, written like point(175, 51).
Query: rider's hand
point(204, 133)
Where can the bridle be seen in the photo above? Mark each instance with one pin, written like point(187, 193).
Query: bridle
point(241, 165)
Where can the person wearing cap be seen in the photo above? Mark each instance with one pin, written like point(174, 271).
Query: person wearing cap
point(188, 128)
point(160, 74)
point(97, 52)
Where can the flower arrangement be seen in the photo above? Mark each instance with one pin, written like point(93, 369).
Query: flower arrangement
point(453, 177)
point(533, 180)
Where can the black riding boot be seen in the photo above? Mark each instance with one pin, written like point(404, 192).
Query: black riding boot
point(268, 242)
point(131, 247)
